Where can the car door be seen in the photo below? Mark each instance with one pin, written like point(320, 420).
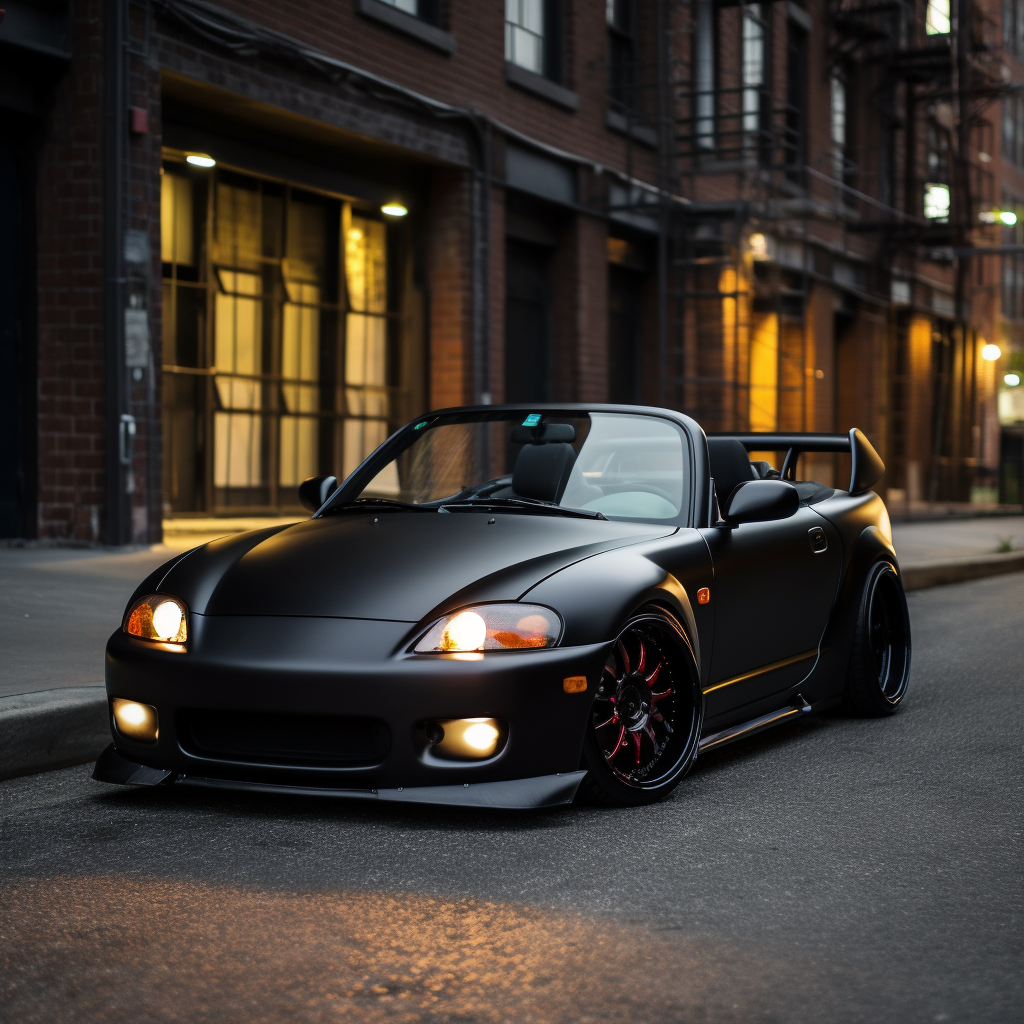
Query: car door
point(774, 584)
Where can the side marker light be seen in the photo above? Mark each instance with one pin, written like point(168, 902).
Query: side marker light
point(703, 595)
point(574, 684)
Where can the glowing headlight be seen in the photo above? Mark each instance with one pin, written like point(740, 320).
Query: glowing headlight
point(493, 627)
point(158, 617)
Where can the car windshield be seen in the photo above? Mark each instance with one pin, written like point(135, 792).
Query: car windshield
point(610, 464)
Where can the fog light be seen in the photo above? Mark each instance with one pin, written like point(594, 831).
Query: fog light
point(466, 739)
point(136, 721)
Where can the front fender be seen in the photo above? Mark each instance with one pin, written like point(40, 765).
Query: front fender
point(597, 595)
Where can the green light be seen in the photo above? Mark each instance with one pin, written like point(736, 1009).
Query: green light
point(1008, 217)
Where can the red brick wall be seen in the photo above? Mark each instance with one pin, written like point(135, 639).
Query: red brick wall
point(70, 294)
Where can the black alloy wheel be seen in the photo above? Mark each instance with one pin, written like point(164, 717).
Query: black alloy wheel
point(880, 659)
point(647, 714)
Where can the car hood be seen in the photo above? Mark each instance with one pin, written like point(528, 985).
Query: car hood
point(401, 566)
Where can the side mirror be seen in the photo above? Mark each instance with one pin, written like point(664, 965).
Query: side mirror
point(316, 490)
point(760, 501)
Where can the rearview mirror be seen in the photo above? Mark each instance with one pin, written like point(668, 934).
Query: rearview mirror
point(316, 490)
point(760, 501)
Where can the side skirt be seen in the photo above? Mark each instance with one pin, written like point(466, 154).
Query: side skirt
point(743, 729)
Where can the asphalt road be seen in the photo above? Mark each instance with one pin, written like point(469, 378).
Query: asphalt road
point(832, 871)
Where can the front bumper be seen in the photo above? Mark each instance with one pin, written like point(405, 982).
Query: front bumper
point(545, 791)
point(304, 666)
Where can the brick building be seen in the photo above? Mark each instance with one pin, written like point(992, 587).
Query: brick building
point(242, 242)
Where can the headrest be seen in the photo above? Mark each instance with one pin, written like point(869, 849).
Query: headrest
point(730, 465)
point(542, 471)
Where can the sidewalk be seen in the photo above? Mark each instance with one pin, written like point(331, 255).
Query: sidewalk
point(59, 605)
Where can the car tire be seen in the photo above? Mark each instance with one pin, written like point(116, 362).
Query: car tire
point(879, 669)
point(645, 723)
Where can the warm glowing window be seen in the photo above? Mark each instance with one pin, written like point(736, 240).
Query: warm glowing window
point(284, 356)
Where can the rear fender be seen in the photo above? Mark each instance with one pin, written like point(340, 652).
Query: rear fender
point(829, 675)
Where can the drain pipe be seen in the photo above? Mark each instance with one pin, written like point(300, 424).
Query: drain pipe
point(118, 443)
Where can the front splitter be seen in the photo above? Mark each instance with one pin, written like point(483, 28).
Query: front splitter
point(540, 791)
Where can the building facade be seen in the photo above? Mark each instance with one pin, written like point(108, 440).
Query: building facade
point(242, 243)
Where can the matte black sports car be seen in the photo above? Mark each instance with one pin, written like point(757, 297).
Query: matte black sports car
point(507, 606)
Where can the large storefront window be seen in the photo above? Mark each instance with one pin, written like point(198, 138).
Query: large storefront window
point(286, 353)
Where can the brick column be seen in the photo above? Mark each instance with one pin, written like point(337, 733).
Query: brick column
point(450, 289)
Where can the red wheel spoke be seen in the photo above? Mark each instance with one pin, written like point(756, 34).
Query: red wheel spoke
point(601, 725)
point(642, 663)
point(655, 697)
point(625, 657)
point(636, 743)
point(650, 733)
point(619, 744)
point(654, 674)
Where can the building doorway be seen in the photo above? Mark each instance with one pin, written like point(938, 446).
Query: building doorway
point(527, 322)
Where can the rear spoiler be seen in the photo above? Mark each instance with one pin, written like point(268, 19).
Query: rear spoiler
point(866, 467)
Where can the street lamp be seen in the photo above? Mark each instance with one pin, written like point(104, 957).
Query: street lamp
point(1011, 380)
point(990, 353)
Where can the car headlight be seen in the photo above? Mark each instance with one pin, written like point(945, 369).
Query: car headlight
point(158, 617)
point(492, 627)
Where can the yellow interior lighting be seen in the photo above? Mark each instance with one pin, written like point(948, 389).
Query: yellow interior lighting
point(136, 721)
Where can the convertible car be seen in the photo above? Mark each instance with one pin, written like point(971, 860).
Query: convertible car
point(514, 606)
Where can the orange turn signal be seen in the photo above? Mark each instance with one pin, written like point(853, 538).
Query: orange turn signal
point(574, 684)
point(703, 595)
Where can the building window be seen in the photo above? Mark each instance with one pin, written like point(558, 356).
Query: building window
point(936, 202)
point(425, 10)
point(753, 73)
point(936, 18)
point(793, 145)
point(621, 18)
point(1013, 27)
point(838, 126)
point(282, 349)
point(704, 61)
point(1013, 130)
point(524, 34)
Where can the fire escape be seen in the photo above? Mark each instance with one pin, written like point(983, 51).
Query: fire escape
point(756, 186)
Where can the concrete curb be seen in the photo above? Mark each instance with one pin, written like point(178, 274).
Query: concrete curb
point(57, 728)
point(52, 729)
point(959, 570)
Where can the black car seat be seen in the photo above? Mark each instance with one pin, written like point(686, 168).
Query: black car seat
point(542, 471)
point(730, 465)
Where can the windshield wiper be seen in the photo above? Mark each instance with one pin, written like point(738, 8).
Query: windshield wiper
point(378, 505)
point(523, 504)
